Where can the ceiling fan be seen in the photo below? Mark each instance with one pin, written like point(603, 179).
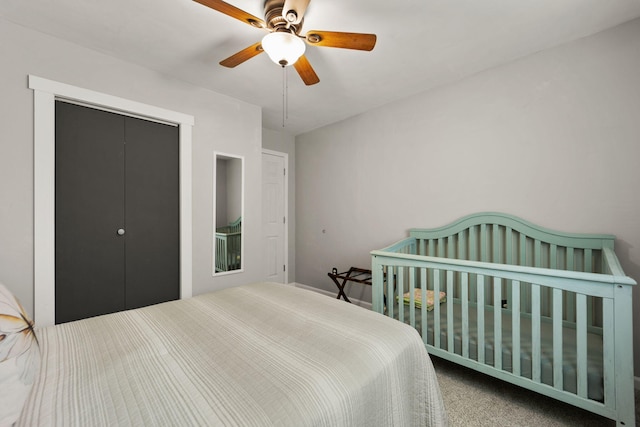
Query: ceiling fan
point(284, 44)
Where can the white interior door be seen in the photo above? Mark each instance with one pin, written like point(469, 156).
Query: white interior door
point(274, 208)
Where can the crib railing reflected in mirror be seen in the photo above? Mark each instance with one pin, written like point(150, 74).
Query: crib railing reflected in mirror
point(228, 246)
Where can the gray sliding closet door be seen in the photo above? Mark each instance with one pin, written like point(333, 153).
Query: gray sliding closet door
point(152, 213)
point(117, 212)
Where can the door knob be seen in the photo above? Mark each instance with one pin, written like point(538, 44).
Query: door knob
point(120, 231)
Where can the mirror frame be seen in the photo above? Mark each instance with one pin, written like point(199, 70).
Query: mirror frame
point(226, 156)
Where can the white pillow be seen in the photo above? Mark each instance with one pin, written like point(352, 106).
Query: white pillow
point(19, 357)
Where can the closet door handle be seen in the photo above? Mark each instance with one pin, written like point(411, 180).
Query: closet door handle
point(120, 231)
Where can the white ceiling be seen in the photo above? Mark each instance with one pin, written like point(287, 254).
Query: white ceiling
point(421, 44)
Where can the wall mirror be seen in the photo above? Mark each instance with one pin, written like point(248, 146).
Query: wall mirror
point(228, 200)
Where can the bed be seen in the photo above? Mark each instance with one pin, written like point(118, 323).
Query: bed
point(254, 355)
point(546, 310)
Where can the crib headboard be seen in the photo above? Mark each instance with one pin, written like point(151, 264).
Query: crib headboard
point(506, 239)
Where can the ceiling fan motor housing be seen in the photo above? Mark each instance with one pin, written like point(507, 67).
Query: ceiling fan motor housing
point(276, 21)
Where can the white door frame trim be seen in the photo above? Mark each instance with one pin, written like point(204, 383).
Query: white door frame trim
point(286, 206)
point(45, 93)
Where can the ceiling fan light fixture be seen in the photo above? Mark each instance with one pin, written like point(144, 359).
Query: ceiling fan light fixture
point(283, 48)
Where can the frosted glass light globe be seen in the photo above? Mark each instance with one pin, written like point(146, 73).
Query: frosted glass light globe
point(283, 48)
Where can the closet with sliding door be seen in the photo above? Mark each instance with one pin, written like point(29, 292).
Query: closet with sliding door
point(117, 225)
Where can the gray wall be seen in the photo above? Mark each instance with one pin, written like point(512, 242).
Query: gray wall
point(234, 189)
point(553, 138)
point(228, 190)
point(285, 143)
point(221, 123)
point(221, 193)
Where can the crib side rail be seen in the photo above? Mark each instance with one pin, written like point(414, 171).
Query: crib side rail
point(392, 268)
point(478, 290)
point(591, 280)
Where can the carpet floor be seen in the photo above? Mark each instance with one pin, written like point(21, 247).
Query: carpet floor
point(476, 399)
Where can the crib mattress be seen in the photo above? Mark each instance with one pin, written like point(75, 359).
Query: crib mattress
point(595, 382)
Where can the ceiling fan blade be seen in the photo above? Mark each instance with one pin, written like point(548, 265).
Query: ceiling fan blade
point(243, 55)
point(358, 41)
point(293, 10)
point(233, 12)
point(303, 67)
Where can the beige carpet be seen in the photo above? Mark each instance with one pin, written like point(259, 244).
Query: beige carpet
point(475, 399)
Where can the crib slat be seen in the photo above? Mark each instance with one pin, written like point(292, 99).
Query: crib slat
point(462, 245)
point(400, 290)
point(480, 300)
point(473, 244)
point(436, 309)
point(588, 261)
point(545, 292)
point(423, 308)
point(450, 332)
point(465, 314)
point(581, 343)
point(515, 326)
point(377, 288)
point(451, 248)
point(483, 243)
point(523, 250)
point(509, 260)
point(522, 260)
point(570, 259)
point(441, 254)
point(557, 339)
point(422, 246)
point(495, 244)
point(497, 322)
point(589, 311)
point(553, 257)
point(488, 293)
point(412, 301)
point(432, 247)
point(535, 333)
point(462, 252)
point(608, 344)
point(537, 253)
point(588, 268)
point(509, 245)
point(390, 290)
point(473, 256)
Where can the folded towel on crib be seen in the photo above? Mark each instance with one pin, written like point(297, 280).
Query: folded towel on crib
point(417, 298)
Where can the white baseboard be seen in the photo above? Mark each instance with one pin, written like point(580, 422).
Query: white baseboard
point(363, 304)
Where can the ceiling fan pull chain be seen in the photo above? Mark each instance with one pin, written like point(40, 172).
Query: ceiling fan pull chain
point(284, 98)
point(285, 95)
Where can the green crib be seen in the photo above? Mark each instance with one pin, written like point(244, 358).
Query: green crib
point(228, 249)
point(545, 310)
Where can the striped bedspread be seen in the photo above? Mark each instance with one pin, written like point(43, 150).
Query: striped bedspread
point(256, 355)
